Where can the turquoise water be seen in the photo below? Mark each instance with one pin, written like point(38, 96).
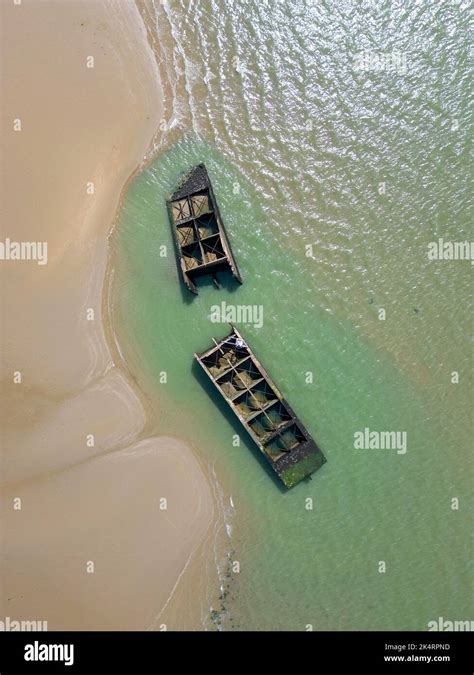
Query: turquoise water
point(282, 186)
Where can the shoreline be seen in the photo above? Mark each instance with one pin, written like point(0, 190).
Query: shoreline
point(71, 384)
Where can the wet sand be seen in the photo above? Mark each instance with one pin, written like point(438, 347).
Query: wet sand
point(73, 446)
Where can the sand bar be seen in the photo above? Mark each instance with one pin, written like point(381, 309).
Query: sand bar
point(81, 501)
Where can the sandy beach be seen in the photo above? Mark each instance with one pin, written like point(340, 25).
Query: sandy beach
point(84, 84)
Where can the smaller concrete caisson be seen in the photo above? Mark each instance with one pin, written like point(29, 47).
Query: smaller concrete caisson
point(201, 242)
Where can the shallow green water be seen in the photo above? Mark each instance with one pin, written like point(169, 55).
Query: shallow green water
point(282, 186)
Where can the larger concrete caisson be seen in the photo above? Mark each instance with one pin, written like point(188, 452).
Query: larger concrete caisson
point(246, 386)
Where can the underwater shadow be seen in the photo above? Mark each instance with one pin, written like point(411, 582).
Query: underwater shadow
point(228, 283)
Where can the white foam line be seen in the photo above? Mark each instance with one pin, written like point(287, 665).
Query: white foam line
point(157, 618)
